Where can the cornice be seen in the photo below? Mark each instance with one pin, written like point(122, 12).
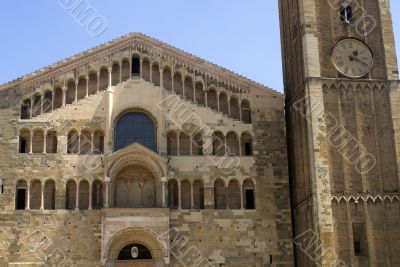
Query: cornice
point(138, 41)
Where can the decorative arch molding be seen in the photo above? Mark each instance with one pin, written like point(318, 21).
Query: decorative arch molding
point(366, 198)
point(139, 235)
point(135, 154)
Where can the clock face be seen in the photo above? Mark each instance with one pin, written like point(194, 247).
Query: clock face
point(352, 58)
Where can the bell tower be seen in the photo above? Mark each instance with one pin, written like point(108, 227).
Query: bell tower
point(342, 91)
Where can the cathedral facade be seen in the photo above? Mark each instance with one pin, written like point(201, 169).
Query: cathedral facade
point(135, 153)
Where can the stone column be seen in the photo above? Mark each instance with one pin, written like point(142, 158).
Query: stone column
point(30, 141)
point(28, 197)
point(77, 196)
point(205, 99)
point(92, 143)
point(109, 77)
point(163, 191)
point(218, 100)
point(42, 197)
point(151, 71)
point(41, 102)
point(64, 96)
point(98, 82)
point(108, 129)
point(76, 89)
point(90, 195)
point(107, 201)
point(87, 86)
point(45, 142)
point(53, 95)
point(194, 90)
point(183, 86)
point(161, 78)
point(178, 152)
point(229, 106)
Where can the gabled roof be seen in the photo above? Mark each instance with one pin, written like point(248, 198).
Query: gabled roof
point(142, 41)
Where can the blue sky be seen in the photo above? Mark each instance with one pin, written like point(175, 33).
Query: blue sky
point(242, 36)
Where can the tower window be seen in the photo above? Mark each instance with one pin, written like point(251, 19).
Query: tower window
point(346, 13)
point(359, 239)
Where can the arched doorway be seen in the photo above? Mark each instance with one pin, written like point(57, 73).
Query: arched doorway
point(135, 187)
point(137, 247)
point(135, 127)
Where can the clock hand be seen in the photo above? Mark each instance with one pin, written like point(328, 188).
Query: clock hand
point(357, 59)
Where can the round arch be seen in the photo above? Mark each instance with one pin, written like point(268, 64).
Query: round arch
point(135, 126)
point(142, 236)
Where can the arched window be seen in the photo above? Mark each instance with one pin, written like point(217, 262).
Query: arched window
point(50, 195)
point(38, 141)
point(135, 127)
point(135, 66)
point(199, 93)
point(173, 194)
point(155, 75)
point(232, 144)
point(70, 195)
point(146, 70)
point(219, 194)
point(125, 70)
point(84, 195)
point(178, 86)
point(167, 79)
point(234, 108)
point(21, 195)
point(73, 142)
point(104, 79)
point(58, 98)
point(223, 103)
point(218, 144)
point(197, 145)
point(97, 194)
point(212, 99)
point(26, 109)
point(115, 74)
point(35, 193)
point(172, 143)
point(98, 142)
point(47, 101)
point(92, 83)
point(81, 88)
point(246, 111)
point(234, 201)
point(249, 194)
point(184, 144)
point(37, 105)
point(186, 195)
point(189, 90)
point(85, 142)
point(71, 89)
point(198, 195)
point(24, 141)
point(51, 142)
point(247, 144)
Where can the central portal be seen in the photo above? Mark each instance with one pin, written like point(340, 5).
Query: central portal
point(135, 187)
